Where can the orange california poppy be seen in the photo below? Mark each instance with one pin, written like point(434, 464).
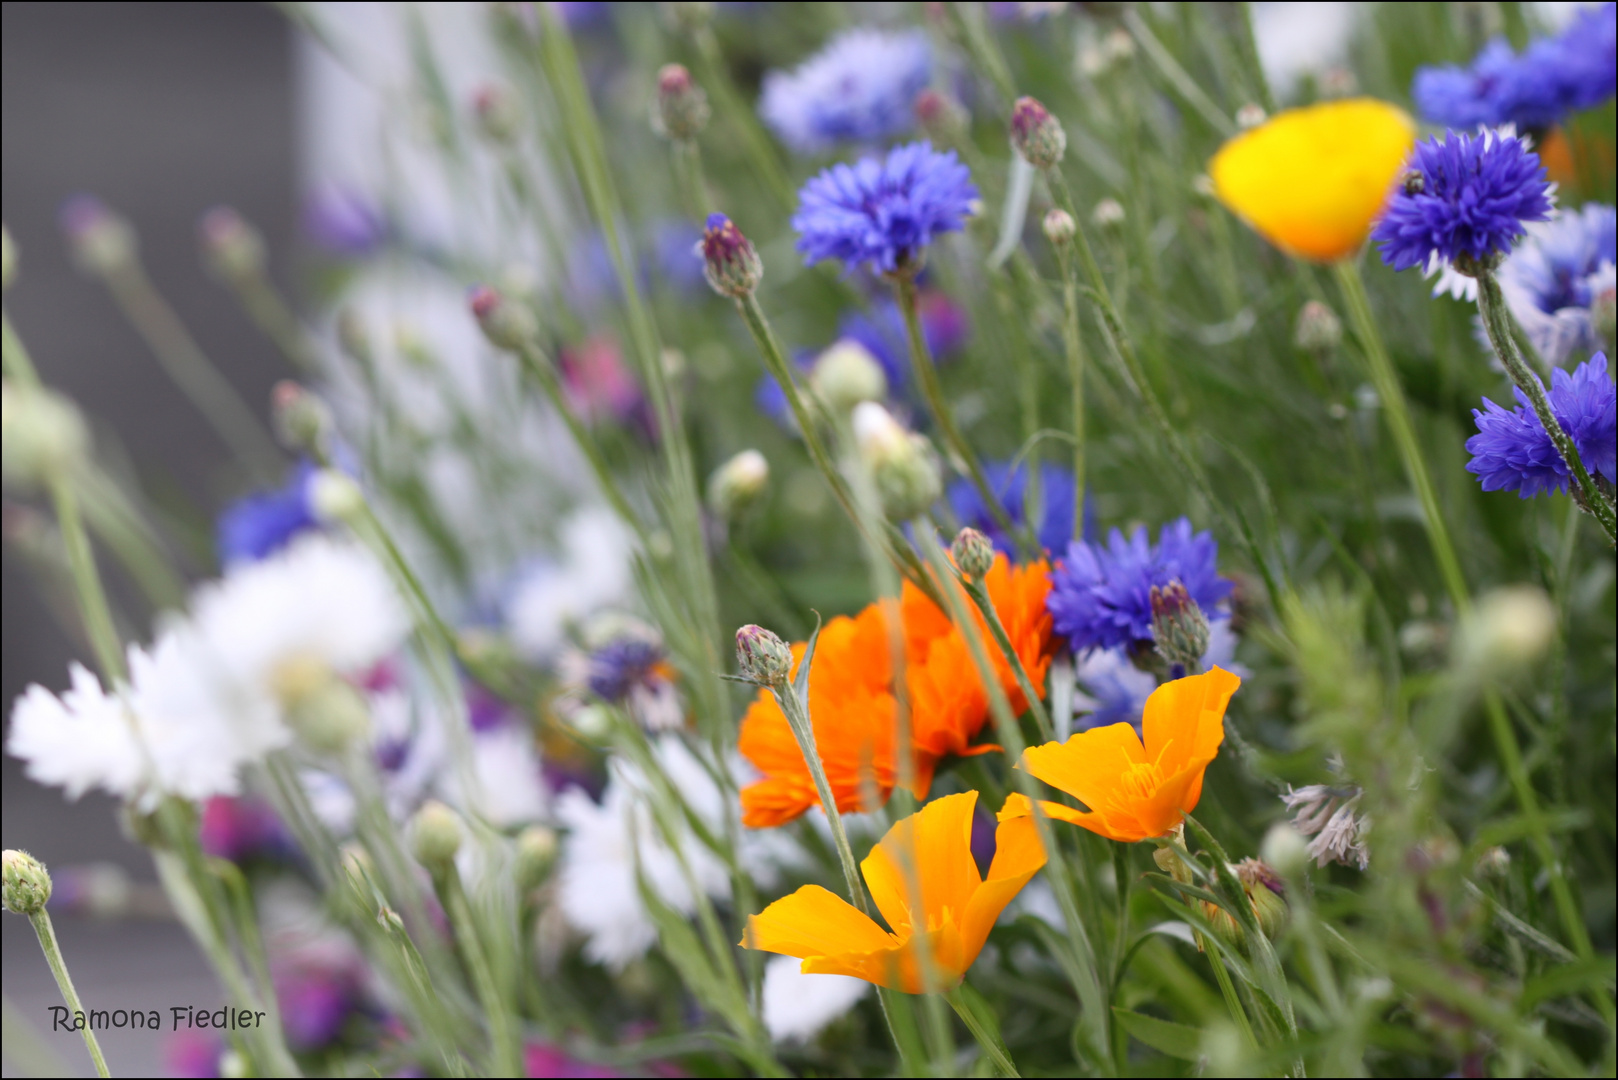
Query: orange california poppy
point(855, 712)
point(959, 905)
point(1313, 180)
point(1135, 791)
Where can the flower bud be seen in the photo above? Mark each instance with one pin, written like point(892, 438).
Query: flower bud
point(326, 712)
point(972, 552)
point(1179, 628)
point(737, 484)
point(435, 835)
point(335, 497)
point(1286, 850)
point(1060, 228)
point(682, 105)
point(231, 248)
point(26, 883)
point(847, 374)
point(1267, 892)
point(1318, 329)
point(902, 463)
point(99, 240)
point(762, 656)
point(8, 258)
point(389, 920)
point(357, 864)
point(352, 336)
point(1250, 115)
point(729, 261)
point(1509, 627)
point(303, 421)
point(507, 325)
point(1493, 861)
point(1036, 134)
point(1097, 57)
point(941, 117)
point(536, 852)
point(1108, 214)
point(1604, 317)
point(42, 434)
point(495, 108)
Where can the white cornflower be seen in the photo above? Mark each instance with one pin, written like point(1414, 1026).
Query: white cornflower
point(78, 741)
point(797, 1007)
point(594, 572)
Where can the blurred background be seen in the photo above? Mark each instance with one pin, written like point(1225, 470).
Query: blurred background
point(162, 110)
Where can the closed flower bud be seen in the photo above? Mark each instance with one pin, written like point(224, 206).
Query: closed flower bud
point(847, 374)
point(1060, 228)
point(507, 324)
point(389, 920)
point(1604, 317)
point(99, 240)
point(42, 435)
point(762, 656)
point(1318, 330)
point(1036, 134)
point(231, 248)
point(1108, 214)
point(495, 108)
point(536, 853)
point(972, 552)
point(1493, 861)
point(335, 497)
point(327, 713)
point(8, 258)
point(1285, 849)
point(729, 261)
point(1250, 116)
point(1179, 628)
point(737, 484)
point(27, 885)
point(303, 421)
point(1267, 892)
point(435, 835)
point(901, 462)
point(941, 117)
point(1509, 627)
point(682, 105)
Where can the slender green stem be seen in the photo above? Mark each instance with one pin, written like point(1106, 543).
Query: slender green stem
point(93, 605)
point(921, 362)
point(735, 112)
point(1233, 1002)
point(1497, 324)
point(1247, 43)
point(506, 1048)
point(237, 425)
point(17, 365)
point(275, 318)
point(689, 179)
point(987, 1037)
point(1073, 349)
point(64, 982)
point(797, 715)
point(1177, 77)
point(997, 629)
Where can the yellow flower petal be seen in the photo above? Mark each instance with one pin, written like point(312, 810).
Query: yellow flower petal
point(1313, 180)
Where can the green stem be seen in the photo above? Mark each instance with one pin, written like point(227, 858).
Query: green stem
point(1036, 700)
point(506, 1048)
point(1497, 323)
point(93, 605)
point(921, 362)
point(1232, 1002)
point(1073, 348)
point(756, 144)
point(1247, 44)
point(689, 179)
point(64, 982)
point(17, 366)
point(987, 1037)
point(1184, 85)
point(237, 425)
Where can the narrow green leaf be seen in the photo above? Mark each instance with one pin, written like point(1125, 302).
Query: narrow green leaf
point(1164, 1036)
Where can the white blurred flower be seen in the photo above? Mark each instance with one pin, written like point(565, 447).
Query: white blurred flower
point(505, 767)
point(798, 1006)
point(78, 741)
point(593, 572)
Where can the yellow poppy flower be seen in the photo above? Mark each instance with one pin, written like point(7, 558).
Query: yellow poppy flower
point(1313, 180)
point(1136, 791)
point(833, 937)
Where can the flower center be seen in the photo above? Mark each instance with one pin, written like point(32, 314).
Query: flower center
point(1141, 781)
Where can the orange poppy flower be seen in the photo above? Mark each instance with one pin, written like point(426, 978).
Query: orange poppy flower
point(1135, 791)
point(959, 905)
point(854, 710)
point(1312, 180)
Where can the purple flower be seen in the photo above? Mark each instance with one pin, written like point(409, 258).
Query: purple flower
point(1554, 276)
point(1513, 452)
point(242, 828)
point(192, 1054)
point(1588, 58)
point(1011, 486)
point(317, 994)
point(883, 211)
point(1466, 195)
point(1100, 597)
point(344, 222)
point(258, 525)
point(859, 88)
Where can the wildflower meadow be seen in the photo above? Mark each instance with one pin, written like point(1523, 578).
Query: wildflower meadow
point(882, 540)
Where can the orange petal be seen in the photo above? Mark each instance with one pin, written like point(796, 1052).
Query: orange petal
point(813, 922)
point(1018, 806)
point(1163, 810)
point(896, 965)
point(937, 842)
point(1088, 765)
point(1018, 856)
point(1184, 719)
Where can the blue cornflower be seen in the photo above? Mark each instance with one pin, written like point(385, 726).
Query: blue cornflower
point(1512, 451)
point(1011, 486)
point(1550, 281)
point(1466, 195)
point(860, 88)
point(1588, 59)
point(1112, 690)
point(633, 671)
point(260, 524)
point(1100, 597)
point(883, 211)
